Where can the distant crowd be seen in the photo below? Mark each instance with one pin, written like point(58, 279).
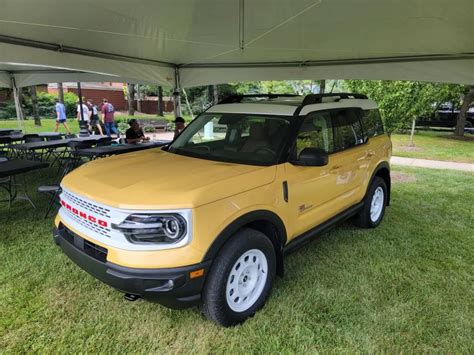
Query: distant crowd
point(89, 113)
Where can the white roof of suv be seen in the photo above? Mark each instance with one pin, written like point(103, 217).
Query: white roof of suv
point(288, 105)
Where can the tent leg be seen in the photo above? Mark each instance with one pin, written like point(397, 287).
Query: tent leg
point(177, 94)
point(19, 111)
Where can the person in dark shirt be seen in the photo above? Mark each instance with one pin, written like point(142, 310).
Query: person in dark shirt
point(135, 134)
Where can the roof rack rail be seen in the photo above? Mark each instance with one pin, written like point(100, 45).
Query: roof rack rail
point(232, 99)
point(318, 98)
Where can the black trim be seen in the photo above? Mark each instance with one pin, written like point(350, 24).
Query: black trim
point(232, 228)
point(285, 191)
point(232, 99)
point(382, 165)
point(308, 235)
point(151, 284)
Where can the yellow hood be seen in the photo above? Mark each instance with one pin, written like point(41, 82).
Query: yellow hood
point(155, 179)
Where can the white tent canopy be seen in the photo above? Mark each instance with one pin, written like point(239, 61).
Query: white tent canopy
point(197, 42)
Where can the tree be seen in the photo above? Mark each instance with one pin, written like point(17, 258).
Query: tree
point(160, 101)
point(461, 121)
point(61, 92)
point(34, 103)
point(130, 98)
point(403, 101)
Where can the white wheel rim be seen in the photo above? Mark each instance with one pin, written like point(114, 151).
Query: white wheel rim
point(376, 206)
point(246, 280)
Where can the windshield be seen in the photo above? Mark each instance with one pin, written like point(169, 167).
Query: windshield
point(235, 138)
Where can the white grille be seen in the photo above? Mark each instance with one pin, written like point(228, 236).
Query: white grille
point(89, 207)
point(94, 227)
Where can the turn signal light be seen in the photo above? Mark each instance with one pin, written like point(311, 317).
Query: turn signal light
point(196, 273)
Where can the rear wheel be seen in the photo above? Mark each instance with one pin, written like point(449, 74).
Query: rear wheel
point(374, 204)
point(240, 279)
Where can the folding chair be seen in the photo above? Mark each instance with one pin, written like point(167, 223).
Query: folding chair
point(7, 185)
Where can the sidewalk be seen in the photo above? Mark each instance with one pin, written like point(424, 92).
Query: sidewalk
point(433, 164)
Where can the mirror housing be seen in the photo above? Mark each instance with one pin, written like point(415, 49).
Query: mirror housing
point(312, 157)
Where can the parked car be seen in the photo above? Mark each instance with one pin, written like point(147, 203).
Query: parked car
point(208, 219)
point(446, 116)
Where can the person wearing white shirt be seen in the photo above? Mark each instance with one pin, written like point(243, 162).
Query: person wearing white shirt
point(86, 114)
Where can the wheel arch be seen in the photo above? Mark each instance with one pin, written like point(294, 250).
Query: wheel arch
point(264, 221)
point(383, 171)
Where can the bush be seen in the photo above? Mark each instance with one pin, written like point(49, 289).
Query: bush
point(7, 110)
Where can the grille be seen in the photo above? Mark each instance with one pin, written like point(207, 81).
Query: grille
point(88, 208)
point(101, 211)
point(94, 227)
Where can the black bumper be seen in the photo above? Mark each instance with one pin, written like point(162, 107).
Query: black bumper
point(171, 287)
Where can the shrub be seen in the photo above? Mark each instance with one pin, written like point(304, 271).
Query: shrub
point(7, 110)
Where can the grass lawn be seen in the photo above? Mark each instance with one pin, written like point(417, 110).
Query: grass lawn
point(436, 146)
point(47, 124)
point(406, 286)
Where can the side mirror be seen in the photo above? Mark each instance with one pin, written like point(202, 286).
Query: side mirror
point(312, 157)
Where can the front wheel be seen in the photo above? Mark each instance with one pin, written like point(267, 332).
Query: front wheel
point(240, 279)
point(374, 204)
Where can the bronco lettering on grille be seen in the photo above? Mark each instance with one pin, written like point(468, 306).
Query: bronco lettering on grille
point(83, 214)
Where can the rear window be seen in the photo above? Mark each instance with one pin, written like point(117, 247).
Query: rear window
point(372, 123)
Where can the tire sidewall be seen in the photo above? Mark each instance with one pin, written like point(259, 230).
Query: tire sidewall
point(377, 182)
point(240, 243)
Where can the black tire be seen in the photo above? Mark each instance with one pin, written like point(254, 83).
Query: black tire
point(364, 219)
point(215, 305)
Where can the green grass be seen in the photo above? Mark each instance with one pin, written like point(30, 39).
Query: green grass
point(405, 286)
point(436, 146)
point(47, 124)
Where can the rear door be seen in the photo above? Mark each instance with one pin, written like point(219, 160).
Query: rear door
point(315, 194)
point(350, 160)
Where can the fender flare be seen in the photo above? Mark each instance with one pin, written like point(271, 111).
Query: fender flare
point(244, 220)
point(380, 166)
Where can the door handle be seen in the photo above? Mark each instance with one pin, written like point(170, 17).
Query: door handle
point(370, 154)
point(335, 168)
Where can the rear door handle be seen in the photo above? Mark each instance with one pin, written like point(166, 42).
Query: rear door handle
point(335, 168)
point(370, 154)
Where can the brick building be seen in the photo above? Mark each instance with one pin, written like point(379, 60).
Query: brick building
point(114, 92)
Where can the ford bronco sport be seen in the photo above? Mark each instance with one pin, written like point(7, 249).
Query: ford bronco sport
point(208, 219)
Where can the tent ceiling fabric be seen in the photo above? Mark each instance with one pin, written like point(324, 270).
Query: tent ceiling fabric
point(214, 41)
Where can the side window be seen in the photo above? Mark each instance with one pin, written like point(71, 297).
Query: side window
point(315, 132)
point(347, 127)
point(372, 123)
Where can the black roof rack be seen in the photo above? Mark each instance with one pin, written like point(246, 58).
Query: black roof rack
point(318, 98)
point(232, 99)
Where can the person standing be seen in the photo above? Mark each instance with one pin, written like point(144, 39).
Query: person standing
point(86, 114)
point(108, 118)
point(61, 116)
point(95, 122)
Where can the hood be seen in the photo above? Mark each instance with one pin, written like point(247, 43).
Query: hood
point(156, 179)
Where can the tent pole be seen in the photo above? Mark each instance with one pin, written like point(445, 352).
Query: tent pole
point(16, 97)
point(177, 94)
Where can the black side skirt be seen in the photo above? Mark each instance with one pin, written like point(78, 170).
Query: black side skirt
point(306, 237)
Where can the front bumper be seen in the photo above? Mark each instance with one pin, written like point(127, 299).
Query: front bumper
point(171, 287)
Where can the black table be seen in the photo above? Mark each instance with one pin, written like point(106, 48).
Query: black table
point(24, 148)
point(7, 131)
point(42, 145)
point(116, 149)
point(19, 136)
point(11, 168)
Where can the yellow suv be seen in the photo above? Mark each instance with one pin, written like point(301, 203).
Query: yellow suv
point(208, 219)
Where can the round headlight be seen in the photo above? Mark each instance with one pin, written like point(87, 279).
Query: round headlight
point(172, 227)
